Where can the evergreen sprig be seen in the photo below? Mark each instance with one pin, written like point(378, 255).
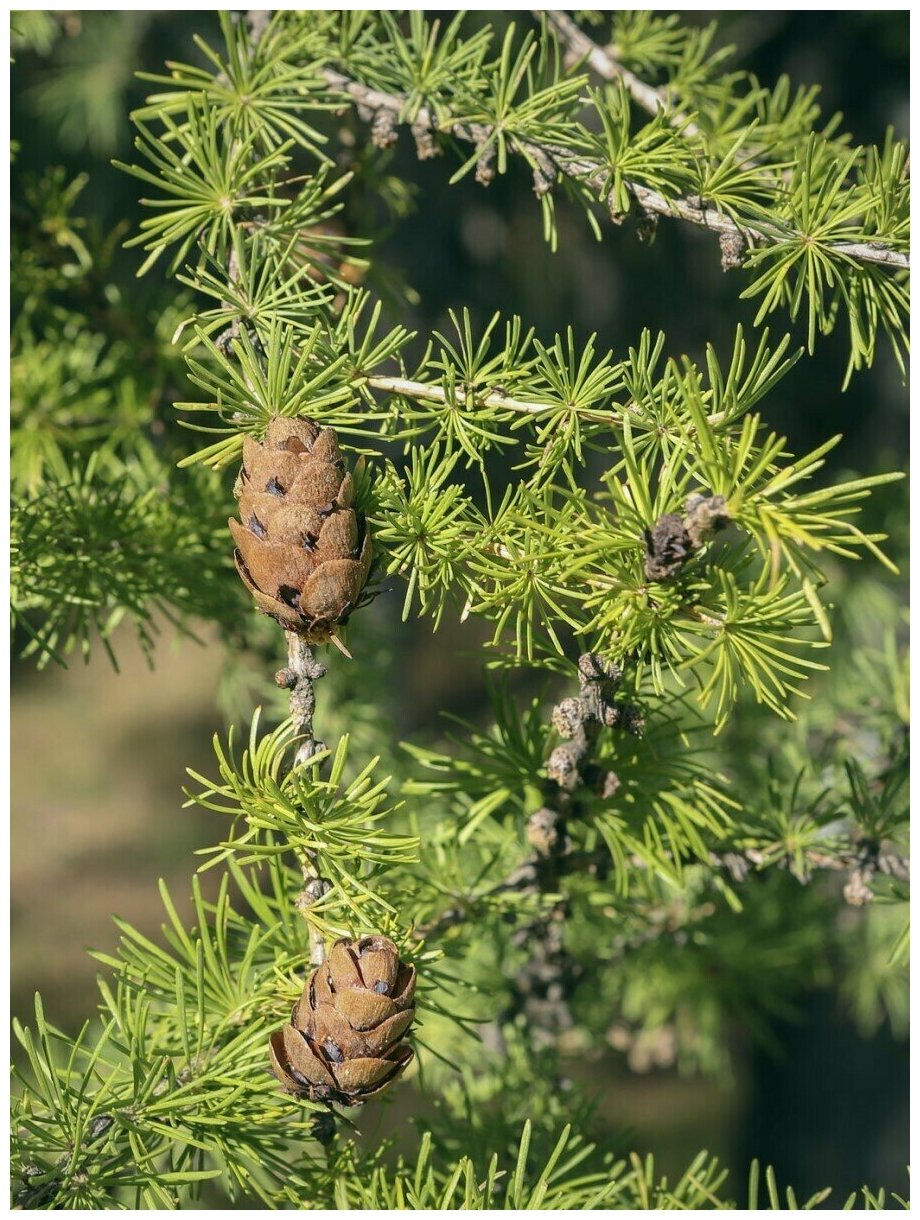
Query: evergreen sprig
point(279, 809)
point(817, 239)
point(661, 442)
point(626, 508)
point(122, 552)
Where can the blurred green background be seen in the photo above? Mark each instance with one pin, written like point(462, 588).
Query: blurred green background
point(99, 757)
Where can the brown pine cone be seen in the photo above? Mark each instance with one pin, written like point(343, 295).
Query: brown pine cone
point(301, 551)
point(343, 1041)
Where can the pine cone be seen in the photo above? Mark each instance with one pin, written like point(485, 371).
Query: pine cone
point(343, 1041)
point(302, 551)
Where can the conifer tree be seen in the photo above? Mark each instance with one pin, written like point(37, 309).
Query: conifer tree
point(678, 798)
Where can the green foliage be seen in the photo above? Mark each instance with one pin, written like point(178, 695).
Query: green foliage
point(35, 30)
point(123, 550)
point(91, 462)
point(740, 610)
point(716, 860)
point(83, 87)
point(323, 821)
point(736, 155)
point(423, 1187)
point(168, 1089)
point(669, 804)
point(251, 90)
point(621, 1185)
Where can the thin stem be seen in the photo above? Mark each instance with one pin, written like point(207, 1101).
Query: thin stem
point(490, 398)
point(303, 670)
point(423, 391)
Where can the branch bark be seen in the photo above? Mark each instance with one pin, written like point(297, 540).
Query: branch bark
point(542, 985)
point(425, 392)
point(303, 670)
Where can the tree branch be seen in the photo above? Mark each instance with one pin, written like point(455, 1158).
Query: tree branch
point(541, 987)
point(594, 174)
point(494, 397)
point(654, 101)
point(301, 673)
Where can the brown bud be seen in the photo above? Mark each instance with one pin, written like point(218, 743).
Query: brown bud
point(544, 173)
point(611, 714)
point(647, 227)
point(592, 668)
point(302, 550)
point(568, 717)
point(344, 1040)
point(704, 516)
point(617, 215)
point(485, 167)
point(562, 766)
point(858, 891)
point(732, 248)
point(426, 144)
point(667, 548)
point(383, 129)
point(610, 785)
point(542, 832)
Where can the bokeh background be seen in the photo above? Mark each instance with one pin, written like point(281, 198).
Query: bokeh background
point(99, 757)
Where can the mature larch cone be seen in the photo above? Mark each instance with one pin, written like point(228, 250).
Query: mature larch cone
point(302, 551)
point(343, 1043)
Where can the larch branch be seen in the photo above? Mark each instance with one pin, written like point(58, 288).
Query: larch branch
point(489, 398)
point(594, 174)
point(494, 397)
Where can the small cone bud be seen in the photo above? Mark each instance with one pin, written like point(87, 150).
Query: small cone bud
point(542, 832)
point(667, 548)
point(562, 766)
point(705, 516)
point(568, 717)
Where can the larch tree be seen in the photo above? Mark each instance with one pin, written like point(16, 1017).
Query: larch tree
point(691, 816)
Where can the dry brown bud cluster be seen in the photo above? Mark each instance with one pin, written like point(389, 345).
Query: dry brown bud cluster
point(667, 547)
point(578, 720)
point(672, 540)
